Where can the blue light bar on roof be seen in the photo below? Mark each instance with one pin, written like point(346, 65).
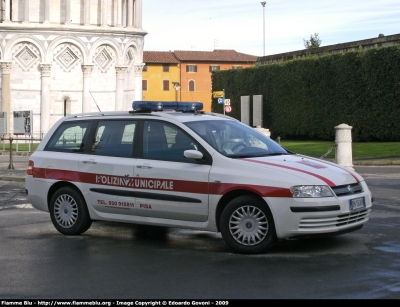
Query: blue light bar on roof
point(166, 105)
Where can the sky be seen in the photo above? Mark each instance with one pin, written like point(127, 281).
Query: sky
point(205, 25)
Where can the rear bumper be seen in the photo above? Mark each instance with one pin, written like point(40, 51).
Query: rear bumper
point(36, 192)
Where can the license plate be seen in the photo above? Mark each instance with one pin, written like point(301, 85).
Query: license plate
point(357, 203)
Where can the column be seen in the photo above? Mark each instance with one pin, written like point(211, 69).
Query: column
point(344, 155)
point(119, 91)
point(138, 82)
point(87, 13)
point(46, 12)
point(136, 13)
point(119, 14)
point(6, 91)
point(67, 12)
point(104, 13)
point(139, 13)
point(7, 7)
point(45, 98)
point(87, 78)
point(244, 109)
point(124, 11)
point(26, 11)
point(130, 13)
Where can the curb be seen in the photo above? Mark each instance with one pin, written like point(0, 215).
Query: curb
point(12, 178)
point(386, 162)
point(19, 153)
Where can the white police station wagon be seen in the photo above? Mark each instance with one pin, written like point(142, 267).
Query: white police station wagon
point(189, 169)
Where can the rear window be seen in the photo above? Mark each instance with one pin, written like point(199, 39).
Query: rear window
point(69, 137)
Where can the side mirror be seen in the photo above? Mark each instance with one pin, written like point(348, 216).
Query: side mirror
point(193, 154)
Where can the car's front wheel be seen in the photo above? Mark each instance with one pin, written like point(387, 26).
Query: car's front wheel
point(68, 212)
point(247, 225)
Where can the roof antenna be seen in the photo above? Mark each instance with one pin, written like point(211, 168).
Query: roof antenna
point(95, 101)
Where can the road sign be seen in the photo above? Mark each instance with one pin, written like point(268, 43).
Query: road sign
point(227, 102)
point(218, 94)
point(220, 100)
point(23, 122)
point(228, 109)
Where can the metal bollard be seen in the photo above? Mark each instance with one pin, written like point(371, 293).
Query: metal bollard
point(11, 165)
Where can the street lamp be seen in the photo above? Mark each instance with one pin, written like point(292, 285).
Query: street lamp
point(177, 86)
point(263, 4)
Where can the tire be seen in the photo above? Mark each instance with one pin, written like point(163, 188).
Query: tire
point(247, 225)
point(68, 212)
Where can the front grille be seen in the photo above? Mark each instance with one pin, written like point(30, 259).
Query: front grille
point(348, 189)
point(335, 221)
point(353, 217)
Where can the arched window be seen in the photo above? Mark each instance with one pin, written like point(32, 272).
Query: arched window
point(191, 86)
point(66, 106)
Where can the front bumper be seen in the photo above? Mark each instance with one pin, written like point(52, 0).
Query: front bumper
point(295, 217)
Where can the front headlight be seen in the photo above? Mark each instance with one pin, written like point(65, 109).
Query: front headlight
point(311, 191)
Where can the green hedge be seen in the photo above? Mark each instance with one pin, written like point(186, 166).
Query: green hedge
point(306, 98)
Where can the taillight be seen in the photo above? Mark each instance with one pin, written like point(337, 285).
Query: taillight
point(31, 165)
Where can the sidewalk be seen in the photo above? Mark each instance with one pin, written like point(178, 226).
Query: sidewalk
point(20, 164)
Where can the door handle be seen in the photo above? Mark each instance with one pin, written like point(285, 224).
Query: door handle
point(144, 166)
point(90, 162)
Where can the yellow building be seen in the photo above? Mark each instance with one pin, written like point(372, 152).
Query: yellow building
point(159, 73)
point(189, 71)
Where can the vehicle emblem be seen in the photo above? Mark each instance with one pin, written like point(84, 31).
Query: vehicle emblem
point(350, 189)
point(126, 178)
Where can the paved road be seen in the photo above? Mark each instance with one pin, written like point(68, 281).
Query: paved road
point(123, 261)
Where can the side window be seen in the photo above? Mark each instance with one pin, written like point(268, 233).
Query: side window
point(69, 137)
point(214, 68)
point(165, 85)
point(191, 68)
point(164, 141)
point(191, 86)
point(114, 138)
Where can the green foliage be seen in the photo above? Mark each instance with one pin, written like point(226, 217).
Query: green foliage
point(360, 150)
point(22, 147)
point(307, 97)
point(313, 42)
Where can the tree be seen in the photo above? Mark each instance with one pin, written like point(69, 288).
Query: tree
point(314, 41)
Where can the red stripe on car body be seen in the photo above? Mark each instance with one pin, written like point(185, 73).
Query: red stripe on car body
point(163, 184)
point(326, 180)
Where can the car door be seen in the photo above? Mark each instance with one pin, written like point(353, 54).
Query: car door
point(168, 185)
point(107, 169)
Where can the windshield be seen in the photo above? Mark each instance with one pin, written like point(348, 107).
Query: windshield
point(236, 140)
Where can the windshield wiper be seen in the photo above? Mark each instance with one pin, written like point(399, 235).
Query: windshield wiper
point(276, 154)
point(255, 155)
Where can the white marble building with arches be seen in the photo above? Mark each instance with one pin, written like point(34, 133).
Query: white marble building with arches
point(62, 57)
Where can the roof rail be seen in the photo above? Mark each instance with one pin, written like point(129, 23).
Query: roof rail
point(220, 115)
point(89, 114)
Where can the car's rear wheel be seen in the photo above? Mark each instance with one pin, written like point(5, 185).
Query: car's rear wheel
point(68, 212)
point(247, 225)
